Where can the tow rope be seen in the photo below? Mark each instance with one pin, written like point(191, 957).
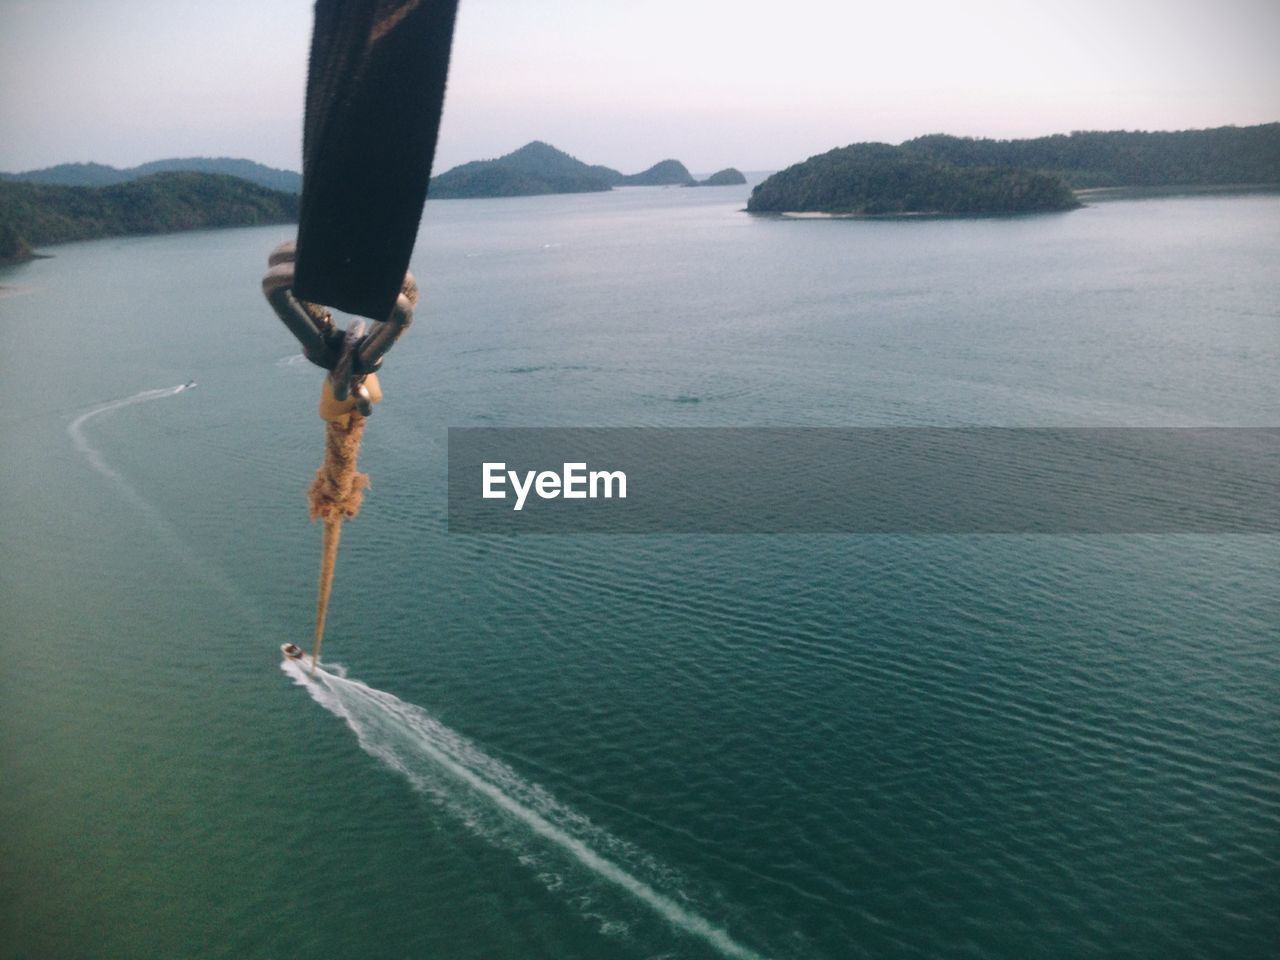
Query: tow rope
point(335, 496)
point(375, 92)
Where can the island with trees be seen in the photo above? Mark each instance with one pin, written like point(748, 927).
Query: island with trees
point(102, 175)
point(539, 168)
point(1222, 156)
point(946, 175)
point(936, 174)
point(876, 179)
point(536, 168)
point(728, 177)
point(665, 173)
point(36, 214)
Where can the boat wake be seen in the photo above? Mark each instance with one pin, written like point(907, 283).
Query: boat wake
point(567, 852)
point(200, 568)
point(76, 431)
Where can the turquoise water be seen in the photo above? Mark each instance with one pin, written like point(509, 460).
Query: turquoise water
point(677, 746)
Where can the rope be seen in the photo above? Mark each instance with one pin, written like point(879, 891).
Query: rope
point(335, 495)
point(338, 489)
point(328, 559)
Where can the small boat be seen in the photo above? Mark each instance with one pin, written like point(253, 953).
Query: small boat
point(291, 650)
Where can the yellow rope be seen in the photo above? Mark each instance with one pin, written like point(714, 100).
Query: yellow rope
point(334, 496)
point(329, 558)
point(338, 488)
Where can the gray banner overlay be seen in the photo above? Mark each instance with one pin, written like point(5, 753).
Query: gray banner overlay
point(864, 480)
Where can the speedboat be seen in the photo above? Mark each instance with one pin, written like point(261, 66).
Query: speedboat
point(291, 650)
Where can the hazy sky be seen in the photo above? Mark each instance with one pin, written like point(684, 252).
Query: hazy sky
point(626, 83)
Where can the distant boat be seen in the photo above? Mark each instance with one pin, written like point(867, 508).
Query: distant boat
point(291, 651)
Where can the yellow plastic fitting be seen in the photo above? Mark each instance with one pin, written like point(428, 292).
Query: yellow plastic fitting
point(331, 409)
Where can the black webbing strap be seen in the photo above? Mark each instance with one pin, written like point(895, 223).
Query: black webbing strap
point(375, 89)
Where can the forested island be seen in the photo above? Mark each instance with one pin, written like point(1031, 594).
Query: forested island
point(535, 168)
point(1119, 158)
point(876, 179)
point(539, 168)
point(82, 201)
point(664, 173)
point(35, 214)
point(935, 174)
point(728, 177)
point(942, 174)
point(102, 175)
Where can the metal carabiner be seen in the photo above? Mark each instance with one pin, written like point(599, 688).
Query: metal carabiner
point(384, 335)
point(312, 325)
point(349, 355)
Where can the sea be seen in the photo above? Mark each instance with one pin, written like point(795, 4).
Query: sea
point(642, 747)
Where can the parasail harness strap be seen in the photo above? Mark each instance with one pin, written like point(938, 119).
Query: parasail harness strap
point(375, 92)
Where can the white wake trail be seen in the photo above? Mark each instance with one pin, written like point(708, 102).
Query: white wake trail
point(479, 788)
point(198, 567)
point(76, 431)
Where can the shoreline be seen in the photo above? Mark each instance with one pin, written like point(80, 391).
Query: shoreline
point(1171, 190)
point(24, 258)
point(825, 215)
point(902, 214)
point(1083, 194)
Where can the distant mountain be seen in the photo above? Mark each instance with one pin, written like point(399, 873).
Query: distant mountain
point(36, 214)
point(538, 168)
point(728, 177)
point(72, 175)
point(663, 174)
point(101, 175)
point(535, 168)
point(608, 174)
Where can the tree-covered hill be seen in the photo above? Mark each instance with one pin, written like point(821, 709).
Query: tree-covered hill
point(535, 168)
point(1119, 158)
point(34, 215)
point(665, 173)
point(728, 177)
point(878, 179)
point(538, 167)
point(101, 175)
point(958, 175)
